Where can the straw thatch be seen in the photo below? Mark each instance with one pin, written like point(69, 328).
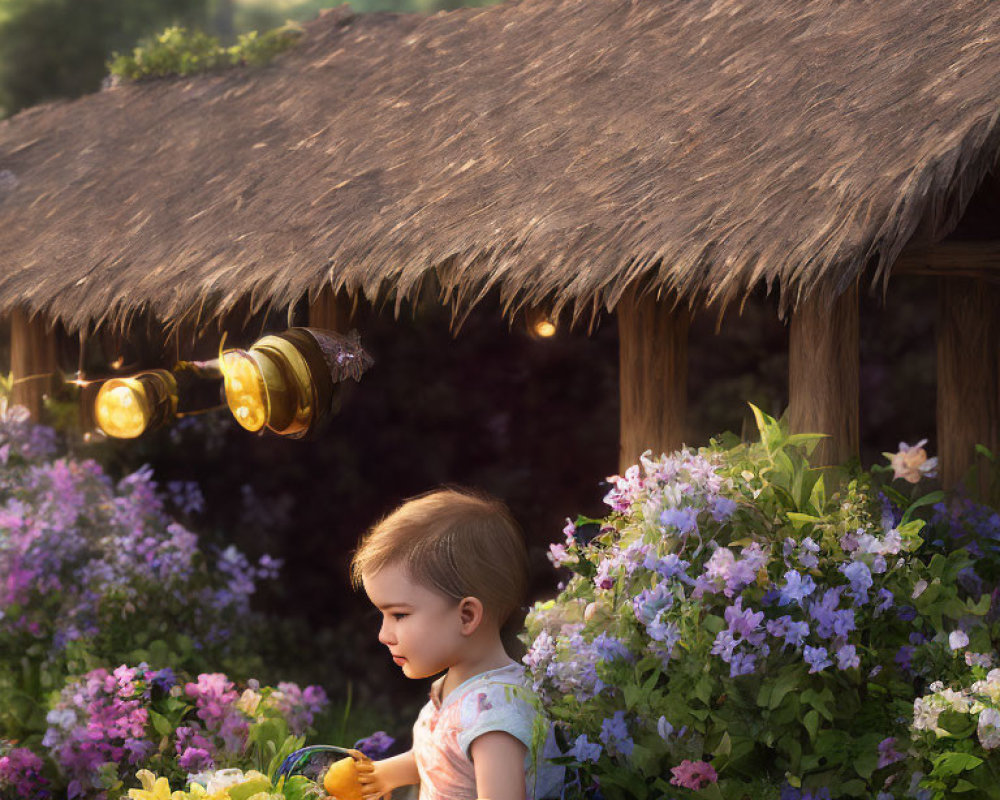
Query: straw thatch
point(552, 148)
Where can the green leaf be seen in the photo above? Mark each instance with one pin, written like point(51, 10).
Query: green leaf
point(817, 498)
point(953, 763)
point(724, 748)
point(242, 791)
point(798, 520)
point(161, 724)
point(787, 681)
point(927, 499)
point(811, 723)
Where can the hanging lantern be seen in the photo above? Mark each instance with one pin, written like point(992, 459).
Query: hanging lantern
point(540, 323)
point(287, 382)
point(126, 407)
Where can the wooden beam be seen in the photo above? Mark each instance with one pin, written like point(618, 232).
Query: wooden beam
point(332, 311)
point(953, 258)
point(968, 388)
point(823, 374)
point(652, 377)
point(34, 361)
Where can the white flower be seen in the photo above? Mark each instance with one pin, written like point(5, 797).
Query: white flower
point(925, 714)
point(958, 640)
point(918, 589)
point(62, 718)
point(989, 729)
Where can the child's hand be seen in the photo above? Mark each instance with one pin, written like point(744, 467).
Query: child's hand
point(373, 784)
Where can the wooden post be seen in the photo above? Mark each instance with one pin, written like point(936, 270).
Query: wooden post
point(823, 374)
point(968, 387)
point(331, 311)
point(34, 361)
point(652, 377)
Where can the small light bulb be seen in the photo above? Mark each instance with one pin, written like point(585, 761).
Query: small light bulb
point(545, 329)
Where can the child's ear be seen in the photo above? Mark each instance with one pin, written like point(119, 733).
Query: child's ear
point(470, 614)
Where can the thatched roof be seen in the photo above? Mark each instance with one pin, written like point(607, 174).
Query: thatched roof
point(551, 148)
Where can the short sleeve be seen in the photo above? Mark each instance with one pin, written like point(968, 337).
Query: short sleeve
point(496, 707)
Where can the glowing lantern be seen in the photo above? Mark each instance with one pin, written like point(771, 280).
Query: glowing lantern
point(286, 382)
point(126, 407)
point(541, 325)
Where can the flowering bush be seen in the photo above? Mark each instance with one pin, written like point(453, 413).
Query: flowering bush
point(744, 626)
point(94, 573)
point(106, 724)
point(21, 774)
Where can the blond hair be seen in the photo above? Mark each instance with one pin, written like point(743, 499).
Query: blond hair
point(457, 542)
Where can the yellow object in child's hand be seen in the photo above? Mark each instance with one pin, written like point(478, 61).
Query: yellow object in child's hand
point(341, 780)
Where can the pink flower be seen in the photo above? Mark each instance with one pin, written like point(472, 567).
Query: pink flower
point(911, 462)
point(693, 774)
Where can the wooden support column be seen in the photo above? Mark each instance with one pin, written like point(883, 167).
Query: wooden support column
point(331, 310)
point(652, 376)
point(968, 387)
point(34, 360)
point(823, 374)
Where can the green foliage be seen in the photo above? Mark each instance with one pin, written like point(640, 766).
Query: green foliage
point(178, 51)
point(58, 48)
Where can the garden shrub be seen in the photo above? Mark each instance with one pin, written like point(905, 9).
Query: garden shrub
point(178, 51)
point(743, 625)
point(94, 573)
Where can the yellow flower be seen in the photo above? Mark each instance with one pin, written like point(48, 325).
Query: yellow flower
point(248, 702)
point(154, 788)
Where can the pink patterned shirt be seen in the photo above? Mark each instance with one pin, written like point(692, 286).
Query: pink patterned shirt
point(443, 734)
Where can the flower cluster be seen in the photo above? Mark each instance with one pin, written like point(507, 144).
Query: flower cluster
point(21, 774)
point(733, 597)
point(225, 784)
point(108, 723)
point(80, 552)
point(101, 719)
point(96, 572)
point(980, 701)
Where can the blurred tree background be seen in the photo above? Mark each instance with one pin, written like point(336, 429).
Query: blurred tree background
point(534, 421)
point(51, 49)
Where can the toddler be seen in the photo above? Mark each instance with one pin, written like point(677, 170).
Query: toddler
point(447, 570)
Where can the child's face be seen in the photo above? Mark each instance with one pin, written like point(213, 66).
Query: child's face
point(421, 627)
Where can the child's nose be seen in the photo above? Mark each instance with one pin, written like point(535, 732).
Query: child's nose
point(385, 635)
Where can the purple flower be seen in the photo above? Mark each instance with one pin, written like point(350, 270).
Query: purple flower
point(21, 774)
point(376, 745)
point(667, 567)
point(684, 520)
point(614, 734)
point(666, 632)
point(584, 750)
point(649, 602)
point(887, 753)
point(745, 622)
point(847, 657)
point(603, 579)
point(830, 621)
point(195, 759)
point(860, 576)
point(722, 508)
point(885, 599)
point(793, 632)
point(610, 648)
point(796, 588)
point(816, 658)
